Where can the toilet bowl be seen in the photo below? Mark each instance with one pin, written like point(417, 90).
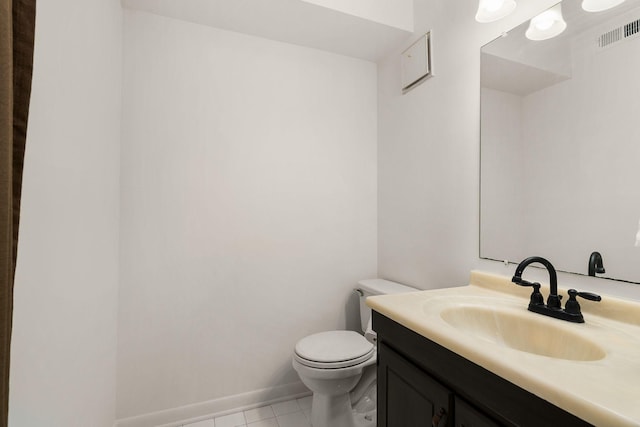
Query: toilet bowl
point(339, 367)
point(331, 364)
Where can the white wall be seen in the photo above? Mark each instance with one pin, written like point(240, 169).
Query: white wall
point(248, 209)
point(428, 149)
point(502, 201)
point(64, 334)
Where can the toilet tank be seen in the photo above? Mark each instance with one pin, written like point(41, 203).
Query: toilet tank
point(370, 287)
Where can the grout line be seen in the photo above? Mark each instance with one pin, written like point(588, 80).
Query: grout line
point(275, 417)
point(243, 408)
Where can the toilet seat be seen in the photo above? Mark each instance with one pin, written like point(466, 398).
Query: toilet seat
point(333, 350)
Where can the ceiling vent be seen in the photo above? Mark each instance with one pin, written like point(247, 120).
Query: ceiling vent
point(632, 28)
point(629, 30)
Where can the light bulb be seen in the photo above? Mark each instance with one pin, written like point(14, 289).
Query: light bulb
point(543, 22)
point(546, 25)
point(493, 5)
point(600, 5)
point(492, 10)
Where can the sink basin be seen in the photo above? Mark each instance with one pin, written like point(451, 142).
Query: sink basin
point(523, 331)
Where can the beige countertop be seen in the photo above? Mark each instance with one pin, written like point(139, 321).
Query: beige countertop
point(603, 392)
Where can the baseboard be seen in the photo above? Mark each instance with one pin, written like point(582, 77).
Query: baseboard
point(213, 408)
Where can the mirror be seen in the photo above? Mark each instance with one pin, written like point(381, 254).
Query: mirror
point(560, 143)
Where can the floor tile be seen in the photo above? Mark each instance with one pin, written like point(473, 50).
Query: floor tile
point(285, 407)
point(232, 420)
point(203, 423)
point(295, 419)
point(307, 413)
point(271, 422)
point(258, 414)
point(305, 402)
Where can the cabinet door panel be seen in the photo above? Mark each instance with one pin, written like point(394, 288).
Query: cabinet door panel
point(468, 416)
point(407, 396)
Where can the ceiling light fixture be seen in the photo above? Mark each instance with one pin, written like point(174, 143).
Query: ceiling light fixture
point(546, 25)
point(600, 5)
point(492, 10)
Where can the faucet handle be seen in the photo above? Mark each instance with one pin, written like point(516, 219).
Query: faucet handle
point(572, 306)
point(536, 297)
point(585, 295)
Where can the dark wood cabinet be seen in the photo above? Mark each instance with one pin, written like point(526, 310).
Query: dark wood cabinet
point(468, 416)
point(412, 396)
point(422, 384)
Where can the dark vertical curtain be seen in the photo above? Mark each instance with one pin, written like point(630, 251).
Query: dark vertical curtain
point(17, 26)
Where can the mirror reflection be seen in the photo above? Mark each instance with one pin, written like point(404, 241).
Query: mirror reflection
point(560, 140)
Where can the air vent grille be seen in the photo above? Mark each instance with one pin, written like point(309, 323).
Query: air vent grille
point(610, 37)
point(632, 28)
point(620, 33)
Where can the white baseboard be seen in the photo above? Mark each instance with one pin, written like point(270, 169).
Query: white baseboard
point(213, 408)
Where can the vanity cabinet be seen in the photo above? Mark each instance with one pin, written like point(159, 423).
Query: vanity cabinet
point(422, 384)
point(411, 395)
point(466, 415)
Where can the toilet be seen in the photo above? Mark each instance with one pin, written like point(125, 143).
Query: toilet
point(339, 367)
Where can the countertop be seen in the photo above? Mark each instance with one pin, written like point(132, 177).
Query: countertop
point(604, 392)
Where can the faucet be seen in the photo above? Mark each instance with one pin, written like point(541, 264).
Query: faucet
point(595, 264)
point(553, 307)
point(553, 301)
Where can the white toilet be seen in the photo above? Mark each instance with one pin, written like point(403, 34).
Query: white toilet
point(339, 367)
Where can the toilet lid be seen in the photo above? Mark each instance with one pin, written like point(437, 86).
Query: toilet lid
point(333, 349)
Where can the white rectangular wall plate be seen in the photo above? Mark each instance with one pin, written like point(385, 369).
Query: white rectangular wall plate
point(416, 63)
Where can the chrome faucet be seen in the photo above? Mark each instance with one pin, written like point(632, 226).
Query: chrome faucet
point(553, 308)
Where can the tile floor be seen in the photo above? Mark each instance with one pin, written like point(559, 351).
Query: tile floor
point(292, 413)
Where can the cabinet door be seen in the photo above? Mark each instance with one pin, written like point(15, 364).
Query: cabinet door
point(408, 397)
point(468, 416)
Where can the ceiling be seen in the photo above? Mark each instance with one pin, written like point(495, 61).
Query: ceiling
point(292, 21)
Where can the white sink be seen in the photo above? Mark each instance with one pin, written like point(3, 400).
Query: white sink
point(522, 330)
